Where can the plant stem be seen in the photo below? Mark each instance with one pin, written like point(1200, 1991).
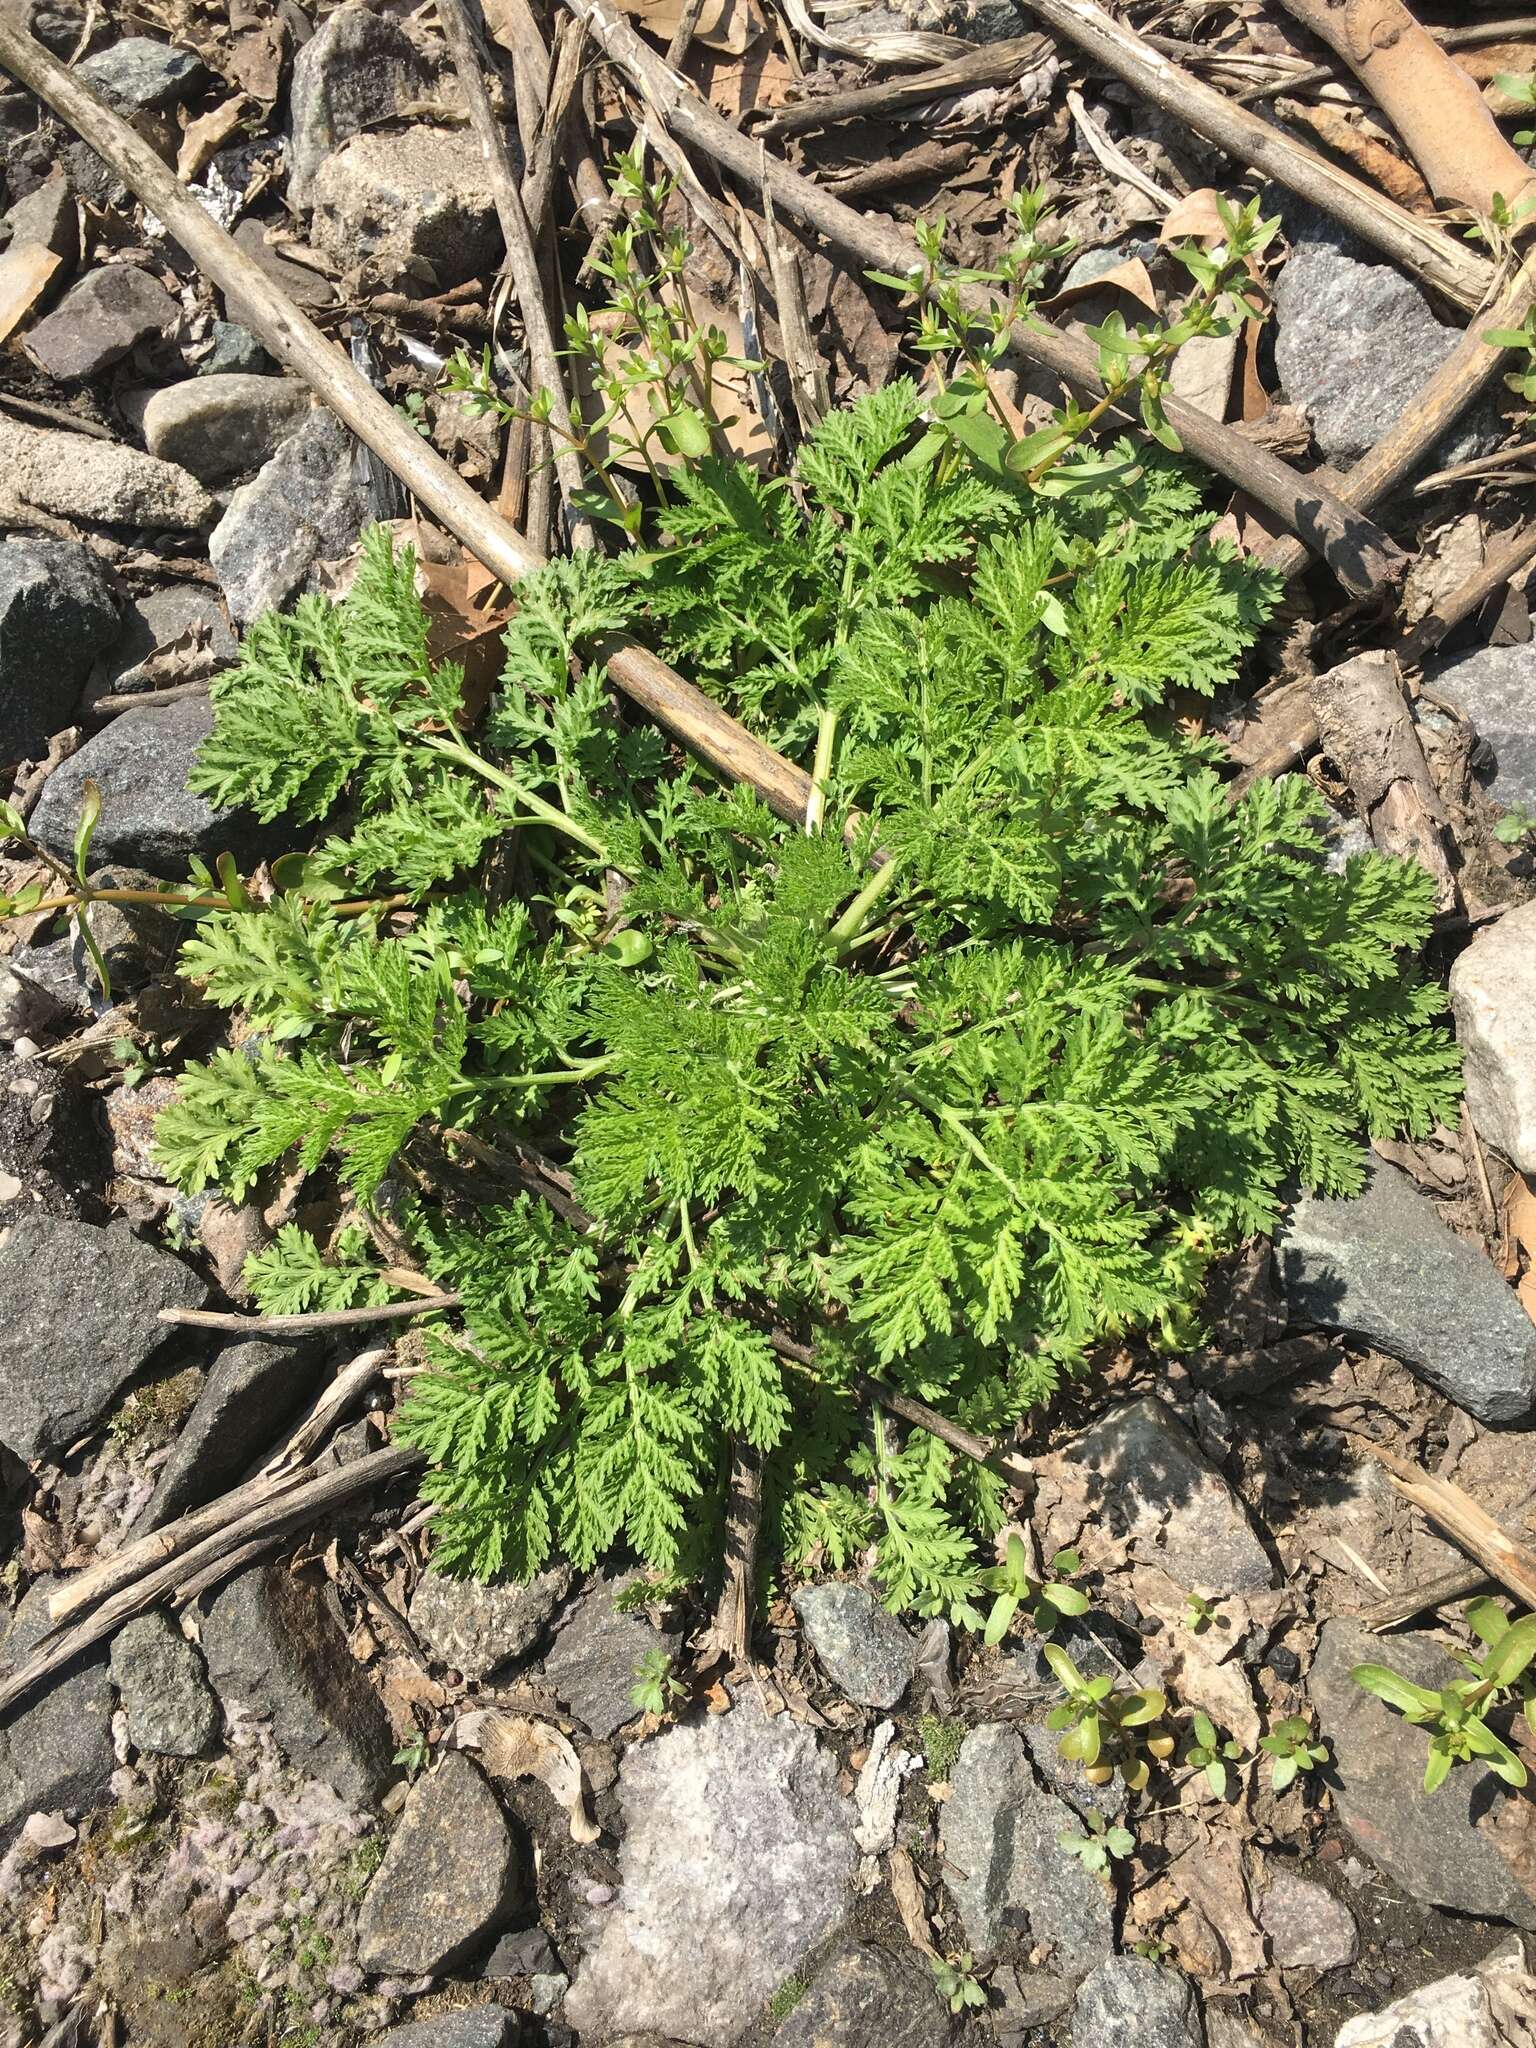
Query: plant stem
point(854, 918)
point(821, 768)
point(545, 813)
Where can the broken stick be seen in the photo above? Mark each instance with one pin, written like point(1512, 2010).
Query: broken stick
point(1366, 726)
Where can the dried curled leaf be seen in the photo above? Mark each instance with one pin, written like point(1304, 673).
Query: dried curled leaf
point(513, 1746)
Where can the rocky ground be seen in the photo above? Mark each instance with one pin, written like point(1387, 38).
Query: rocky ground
point(336, 1796)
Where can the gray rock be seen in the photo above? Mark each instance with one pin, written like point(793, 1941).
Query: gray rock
point(170, 1710)
point(1441, 1847)
point(57, 24)
point(1157, 1489)
point(154, 621)
point(139, 75)
point(451, 1874)
point(55, 1750)
point(1383, 1267)
point(1493, 996)
point(861, 1645)
point(867, 1997)
point(734, 1864)
point(252, 1390)
point(592, 1664)
point(1354, 341)
point(223, 427)
point(1452, 2012)
point(481, 2026)
point(1092, 264)
point(79, 1316)
point(1004, 1864)
point(149, 818)
point(1130, 2003)
point(27, 1008)
point(99, 482)
point(545, 1991)
point(358, 69)
point(1308, 1928)
point(97, 322)
point(480, 1628)
point(272, 1646)
point(305, 506)
point(1496, 688)
point(236, 352)
point(527, 1953)
point(414, 206)
point(136, 940)
point(48, 216)
point(56, 614)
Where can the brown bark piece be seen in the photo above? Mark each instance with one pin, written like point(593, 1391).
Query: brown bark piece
point(1366, 727)
point(1429, 99)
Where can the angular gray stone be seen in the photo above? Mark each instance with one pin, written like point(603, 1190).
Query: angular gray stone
point(1004, 1864)
point(414, 206)
point(272, 1646)
point(154, 621)
point(861, 1645)
point(235, 352)
point(79, 1316)
point(734, 1864)
point(305, 506)
point(527, 1953)
point(139, 75)
point(1483, 2009)
point(251, 1391)
point(477, 1629)
point(99, 482)
point(867, 1997)
point(149, 818)
point(1308, 1928)
point(1493, 996)
point(170, 1709)
point(1354, 341)
point(1131, 2003)
point(1155, 1487)
point(56, 1750)
point(1432, 1844)
point(1496, 688)
point(592, 1664)
point(481, 2026)
point(222, 427)
point(358, 69)
point(57, 612)
point(137, 941)
point(450, 1876)
point(98, 320)
point(1383, 1267)
point(49, 217)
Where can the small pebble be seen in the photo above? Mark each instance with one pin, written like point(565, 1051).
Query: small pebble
point(1284, 1663)
point(26, 1049)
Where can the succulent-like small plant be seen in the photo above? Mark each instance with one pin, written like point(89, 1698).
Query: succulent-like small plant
point(1105, 1728)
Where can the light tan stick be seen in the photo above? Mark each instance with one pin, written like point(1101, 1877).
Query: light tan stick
point(1513, 553)
point(306, 1326)
point(1432, 103)
point(287, 334)
point(1366, 726)
point(1447, 266)
point(1360, 555)
point(1503, 1556)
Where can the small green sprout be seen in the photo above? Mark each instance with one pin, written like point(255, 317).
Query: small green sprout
point(1290, 1748)
point(1458, 1712)
point(1208, 1753)
point(954, 1978)
point(1105, 1727)
point(655, 1690)
point(1015, 1586)
point(1102, 1841)
point(413, 1756)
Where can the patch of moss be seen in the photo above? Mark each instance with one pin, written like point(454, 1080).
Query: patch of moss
point(787, 1997)
point(941, 1740)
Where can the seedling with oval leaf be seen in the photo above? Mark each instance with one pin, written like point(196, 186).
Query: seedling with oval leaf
point(1049, 1601)
point(1290, 1749)
point(1101, 1843)
point(1458, 1712)
point(1208, 1753)
point(1104, 1728)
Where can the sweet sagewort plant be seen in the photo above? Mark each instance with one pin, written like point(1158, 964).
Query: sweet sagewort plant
point(703, 1113)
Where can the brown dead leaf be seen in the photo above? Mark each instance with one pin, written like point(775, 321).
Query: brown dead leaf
point(203, 138)
point(514, 1746)
point(760, 77)
point(255, 60)
point(1194, 219)
point(26, 270)
point(729, 25)
point(907, 1891)
point(405, 1689)
point(1131, 277)
point(1377, 164)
